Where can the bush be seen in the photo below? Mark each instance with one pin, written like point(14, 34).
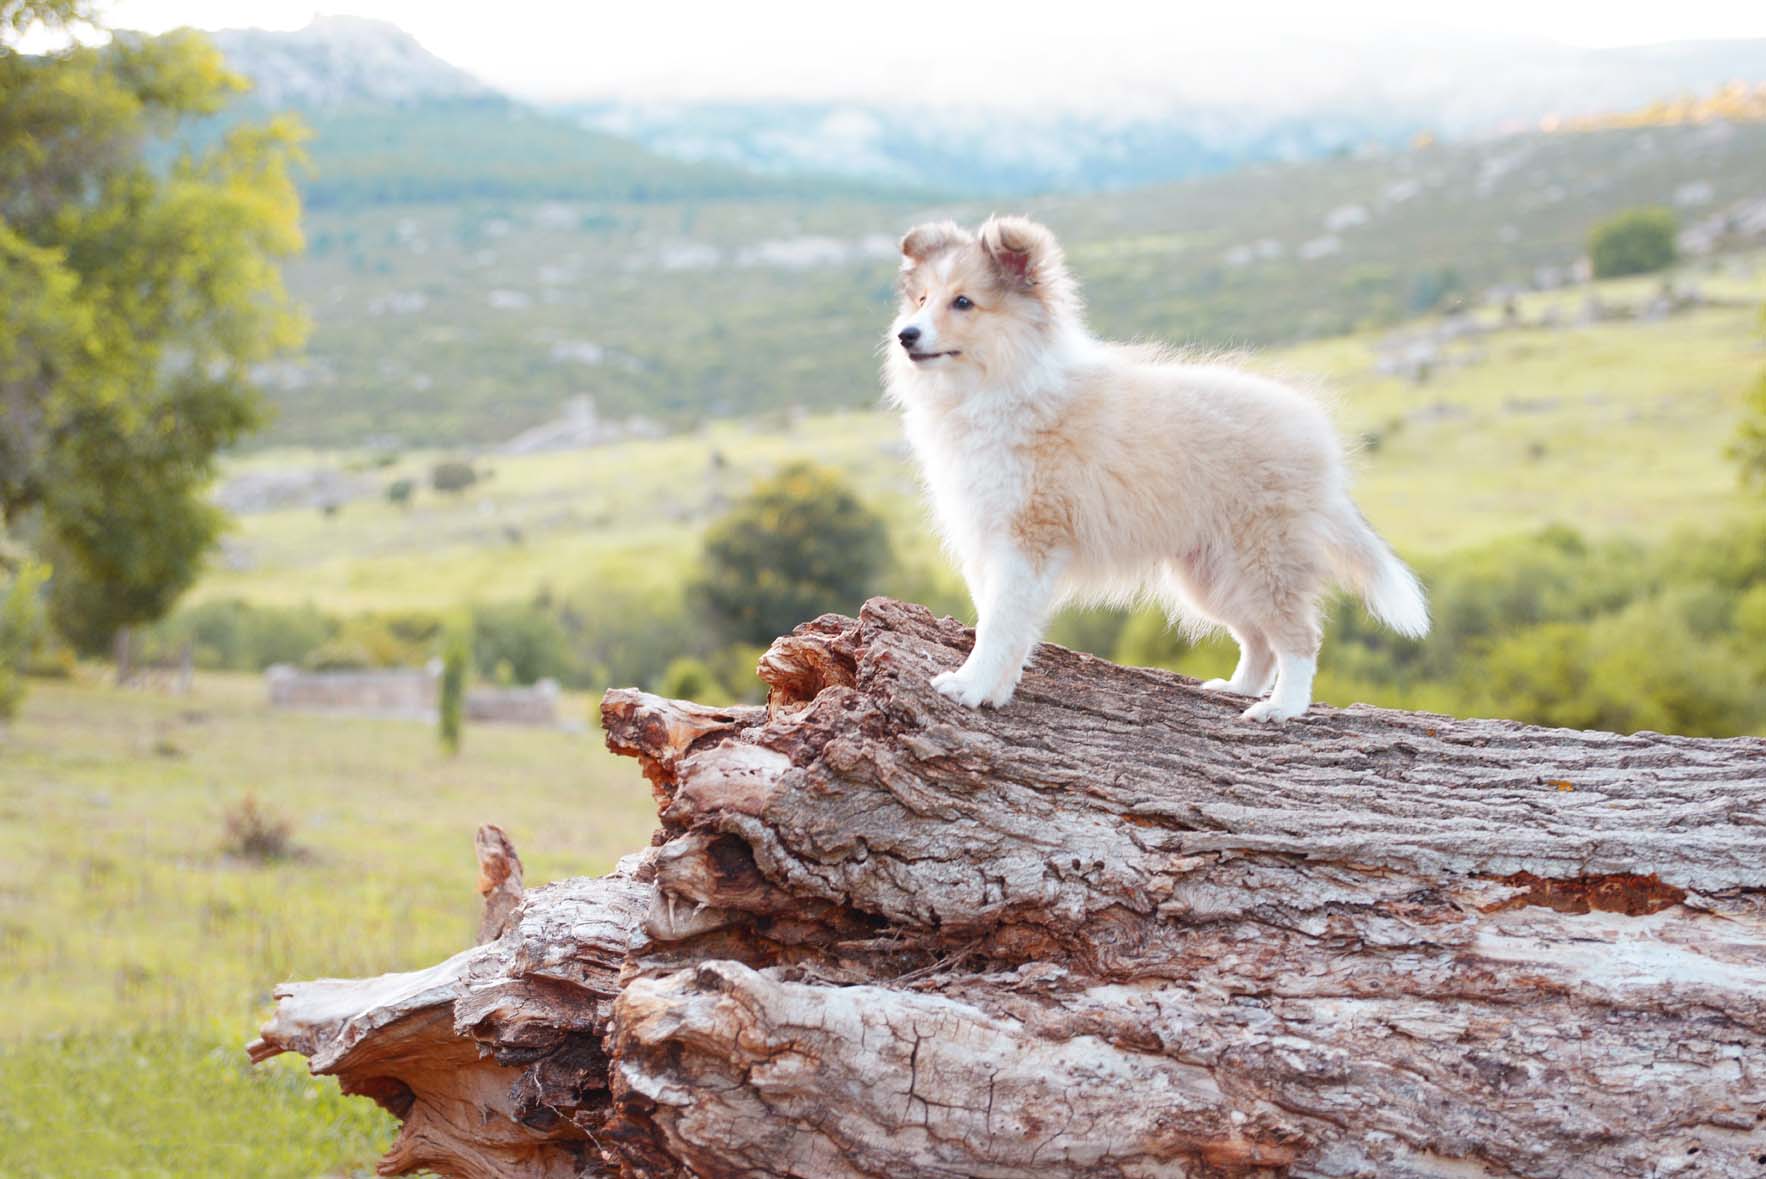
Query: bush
point(20, 626)
point(1640, 241)
point(1749, 447)
point(456, 654)
point(526, 638)
point(452, 476)
point(688, 678)
point(798, 545)
point(1148, 639)
point(400, 492)
point(376, 640)
point(1642, 668)
point(625, 631)
point(253, 832)
point(234, 635)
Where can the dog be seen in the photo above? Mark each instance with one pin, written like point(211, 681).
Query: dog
point(1064, 468)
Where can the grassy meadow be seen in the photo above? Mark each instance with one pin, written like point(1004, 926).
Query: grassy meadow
point(137, 955)
point(1614, 428)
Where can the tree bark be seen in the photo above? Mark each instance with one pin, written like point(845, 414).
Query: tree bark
point(1109, 930)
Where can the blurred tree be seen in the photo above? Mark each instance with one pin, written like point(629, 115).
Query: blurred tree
point(456, 654)
point(526, 638)
point(1749, 447)
point(19, 16)
point(452, 476)
point(1150, 639)
point(1640, 668)
point(19, 621)
point(1638, 241)
point(400, 491)
point(689, 678)
point(140, 281)
point(798, 545)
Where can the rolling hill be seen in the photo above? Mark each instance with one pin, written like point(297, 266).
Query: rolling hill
point(464, 323)
point(476, 262)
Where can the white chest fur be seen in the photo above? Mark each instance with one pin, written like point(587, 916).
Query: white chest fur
point(973, 459)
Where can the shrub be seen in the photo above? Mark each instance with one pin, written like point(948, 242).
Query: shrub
point(525, 637)
point(234, 635)
point(456, 654)
point(1749, 447)
point(452, 476)
point(1640, 668)
point(400, 492)
point(254, 832)
point(798, 545)
point(624, 630)
point(688, 678)
point(1639, 241)
point(20, 626)
point(1148, 639)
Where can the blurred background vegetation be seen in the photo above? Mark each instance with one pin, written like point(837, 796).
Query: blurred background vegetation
point(317, 351)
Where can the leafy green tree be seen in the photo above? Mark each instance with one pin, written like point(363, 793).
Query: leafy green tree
point(799, 545)
point(1638, 241)
point(140, 279)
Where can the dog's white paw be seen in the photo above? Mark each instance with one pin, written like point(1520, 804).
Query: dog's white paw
point(1219, 686)
point(960, 688)
point(1002, 695)
point(1269, 710)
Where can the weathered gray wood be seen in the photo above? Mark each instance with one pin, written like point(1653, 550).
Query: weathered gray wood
point(1110, 930)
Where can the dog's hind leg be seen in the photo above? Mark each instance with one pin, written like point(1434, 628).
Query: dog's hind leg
point(1295, 634)
point(1257, 665)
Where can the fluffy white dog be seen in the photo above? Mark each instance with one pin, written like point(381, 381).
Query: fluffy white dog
point(1062, 467)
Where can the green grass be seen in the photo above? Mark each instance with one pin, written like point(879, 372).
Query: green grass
point(137, 956)
point(1617, 428)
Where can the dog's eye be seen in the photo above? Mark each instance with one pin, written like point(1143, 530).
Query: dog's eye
point(961, 303)
point(922, 300)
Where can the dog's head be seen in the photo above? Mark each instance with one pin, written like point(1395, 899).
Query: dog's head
point(979, 302)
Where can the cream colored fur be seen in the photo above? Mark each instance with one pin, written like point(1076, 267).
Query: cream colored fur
point(1061, 468)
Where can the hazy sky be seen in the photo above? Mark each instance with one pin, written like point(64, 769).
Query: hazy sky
point(971, 47)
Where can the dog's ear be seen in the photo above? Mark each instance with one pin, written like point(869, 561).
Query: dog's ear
point(923, 241)
point(1022, 251)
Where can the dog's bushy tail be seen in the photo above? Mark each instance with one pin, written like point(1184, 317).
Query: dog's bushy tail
point(1391, 591)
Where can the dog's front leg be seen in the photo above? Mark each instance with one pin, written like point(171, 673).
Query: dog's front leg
point(1016, 594)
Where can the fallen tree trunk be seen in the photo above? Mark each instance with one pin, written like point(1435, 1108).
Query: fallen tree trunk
point(1109, 930)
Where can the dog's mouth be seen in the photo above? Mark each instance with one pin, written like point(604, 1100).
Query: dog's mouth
point(922, 357)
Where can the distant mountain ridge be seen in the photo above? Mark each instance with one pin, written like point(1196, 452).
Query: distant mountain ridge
point(341, 60)
point(1290, 100)
point(393, 123)
point(373, 85)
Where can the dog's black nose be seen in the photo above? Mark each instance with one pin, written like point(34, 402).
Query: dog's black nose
point(907, 336)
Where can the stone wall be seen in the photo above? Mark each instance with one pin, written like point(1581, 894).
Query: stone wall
point(406, 692)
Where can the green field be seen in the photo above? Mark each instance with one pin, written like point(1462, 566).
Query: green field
point(136, 955)
point(1616, 428)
